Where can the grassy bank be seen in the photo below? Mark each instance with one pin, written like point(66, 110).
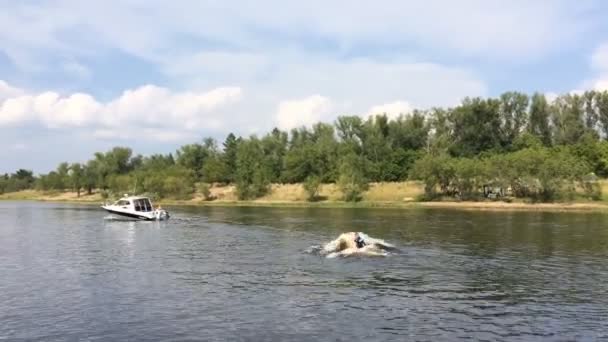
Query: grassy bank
point(379, 195)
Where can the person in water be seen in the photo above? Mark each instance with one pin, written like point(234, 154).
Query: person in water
point(359, 241)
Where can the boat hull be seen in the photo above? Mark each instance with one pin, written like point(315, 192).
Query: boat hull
point(136, 216)
point(130, 215)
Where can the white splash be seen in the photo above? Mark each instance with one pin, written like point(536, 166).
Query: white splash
point(345, 246)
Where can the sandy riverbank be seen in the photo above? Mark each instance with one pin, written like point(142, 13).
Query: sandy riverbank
point(379, 195)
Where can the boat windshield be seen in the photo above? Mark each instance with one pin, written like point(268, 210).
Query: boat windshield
point(122, 203)
point(142, 205)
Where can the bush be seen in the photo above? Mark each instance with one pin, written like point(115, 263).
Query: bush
point(435, 171)
point(593, 190)
point(105, 194)
point(121, 184)
point(469, 177)
point(351, 189)
point(351, 181)
point(178, 188)
point(176, 182)
point(312, 186)
point(538, 174)
point(257, 186)
point(592, 187)
point(205, 190)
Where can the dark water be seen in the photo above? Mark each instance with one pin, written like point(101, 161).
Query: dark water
point(242, 274)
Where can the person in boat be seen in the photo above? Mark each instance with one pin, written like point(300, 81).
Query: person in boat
point(359, 241)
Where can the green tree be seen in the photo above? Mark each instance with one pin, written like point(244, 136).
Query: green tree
point(76, 174)
point(215, 170)
point(229, 157)
point(350, 132)
point(63, 178)
point(410, 132)
point(311, 153)
point(275, 148)
point(440, 130)
point(476, 127)
point(590, 110)
point(527, 140)
point(568, 119)
point(299, 159)
point(252, 170)
point(349, 128)
point(25, 177)
point(20, 180)
point(513, 112)
point(91, 175)
point(3, 185)
point(192, 157)
point(376, 149)
point(540, 114)
point(325, 152)
point(157, 162)
point(113, 162)
point(601, 103)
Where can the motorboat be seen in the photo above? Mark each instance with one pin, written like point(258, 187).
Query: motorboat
point(136, 207)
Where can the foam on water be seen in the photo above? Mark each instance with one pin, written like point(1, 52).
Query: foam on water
point(345, 246)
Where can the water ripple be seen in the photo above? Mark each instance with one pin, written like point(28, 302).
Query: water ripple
point(239, 274)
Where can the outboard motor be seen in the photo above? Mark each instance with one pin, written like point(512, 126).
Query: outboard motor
point(161, 214)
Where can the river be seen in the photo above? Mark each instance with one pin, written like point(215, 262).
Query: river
point(245, 274)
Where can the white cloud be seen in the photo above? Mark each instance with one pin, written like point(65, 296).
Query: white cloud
point(15, 110)
point(601, 85)
point(349, 87)
point(156, 112)
point(302, 112)
point(51, 109)
point(392, 109)
point(551, 96)
point(353, 85)
point(156, 106)
point(513, 31)
point(74, 110)
point(7, 91)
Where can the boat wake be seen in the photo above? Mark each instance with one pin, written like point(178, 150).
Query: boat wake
point(119, 218)
point(346, 246)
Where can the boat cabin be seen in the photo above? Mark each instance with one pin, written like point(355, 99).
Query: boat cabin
point(141, 204)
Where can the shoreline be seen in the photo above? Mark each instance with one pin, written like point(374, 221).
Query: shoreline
point(94, 199)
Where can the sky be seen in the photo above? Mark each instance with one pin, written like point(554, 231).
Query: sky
point(77, 77)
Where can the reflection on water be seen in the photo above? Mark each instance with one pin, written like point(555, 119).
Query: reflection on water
point(243, 274)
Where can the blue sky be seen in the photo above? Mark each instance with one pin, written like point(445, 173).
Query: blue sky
point(82, 76)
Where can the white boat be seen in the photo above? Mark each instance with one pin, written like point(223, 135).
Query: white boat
point(136, 207)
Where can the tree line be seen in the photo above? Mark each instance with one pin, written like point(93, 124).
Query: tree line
point(538, 149)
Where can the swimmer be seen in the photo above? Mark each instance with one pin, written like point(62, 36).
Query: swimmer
point(359, 241)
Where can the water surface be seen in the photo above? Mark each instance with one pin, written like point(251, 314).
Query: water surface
point(243, 274)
